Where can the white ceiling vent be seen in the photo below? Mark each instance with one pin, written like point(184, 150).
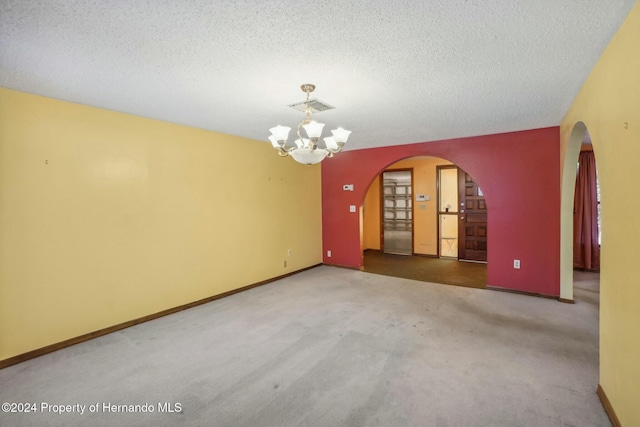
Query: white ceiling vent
point(315, 104)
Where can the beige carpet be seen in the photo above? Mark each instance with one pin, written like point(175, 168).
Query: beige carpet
point(332, 347)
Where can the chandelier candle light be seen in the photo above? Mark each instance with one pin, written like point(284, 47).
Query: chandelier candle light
point(306, 150)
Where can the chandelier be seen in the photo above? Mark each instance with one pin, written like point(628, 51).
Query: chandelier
point(306, 150)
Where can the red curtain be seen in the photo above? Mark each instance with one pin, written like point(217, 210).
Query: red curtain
point(586, 248)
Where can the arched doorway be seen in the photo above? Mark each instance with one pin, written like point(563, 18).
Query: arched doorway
point(578, 140)
point(436, 233)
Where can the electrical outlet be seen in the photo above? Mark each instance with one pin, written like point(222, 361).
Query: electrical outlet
point(328, 254)
point(288, 252)
point(516, 264)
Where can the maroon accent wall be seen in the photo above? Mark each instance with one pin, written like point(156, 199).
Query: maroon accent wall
point(519, 173)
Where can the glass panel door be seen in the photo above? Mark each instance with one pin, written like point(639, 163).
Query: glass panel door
point(398, 212)
point(448, 211)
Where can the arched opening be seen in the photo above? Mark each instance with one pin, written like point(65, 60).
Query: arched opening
point(579, 242)
point(441, 212)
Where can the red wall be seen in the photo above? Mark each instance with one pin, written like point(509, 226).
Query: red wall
point(519, 173)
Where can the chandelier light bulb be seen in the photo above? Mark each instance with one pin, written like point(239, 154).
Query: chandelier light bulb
point(281, 133)
point(313, 129)
point(341, 135)
point(302, 143)
point(331, 143)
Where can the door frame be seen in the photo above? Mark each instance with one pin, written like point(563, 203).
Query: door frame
point(381, 190)
point(438, 212)
point(567, 194)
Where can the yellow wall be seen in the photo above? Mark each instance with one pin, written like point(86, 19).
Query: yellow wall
point(609, 105)
point(107, 217)
point(425, 235)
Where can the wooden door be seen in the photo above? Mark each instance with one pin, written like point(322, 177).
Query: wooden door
point(472, 215)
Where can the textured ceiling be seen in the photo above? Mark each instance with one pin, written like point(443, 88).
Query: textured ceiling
point(398, 72)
